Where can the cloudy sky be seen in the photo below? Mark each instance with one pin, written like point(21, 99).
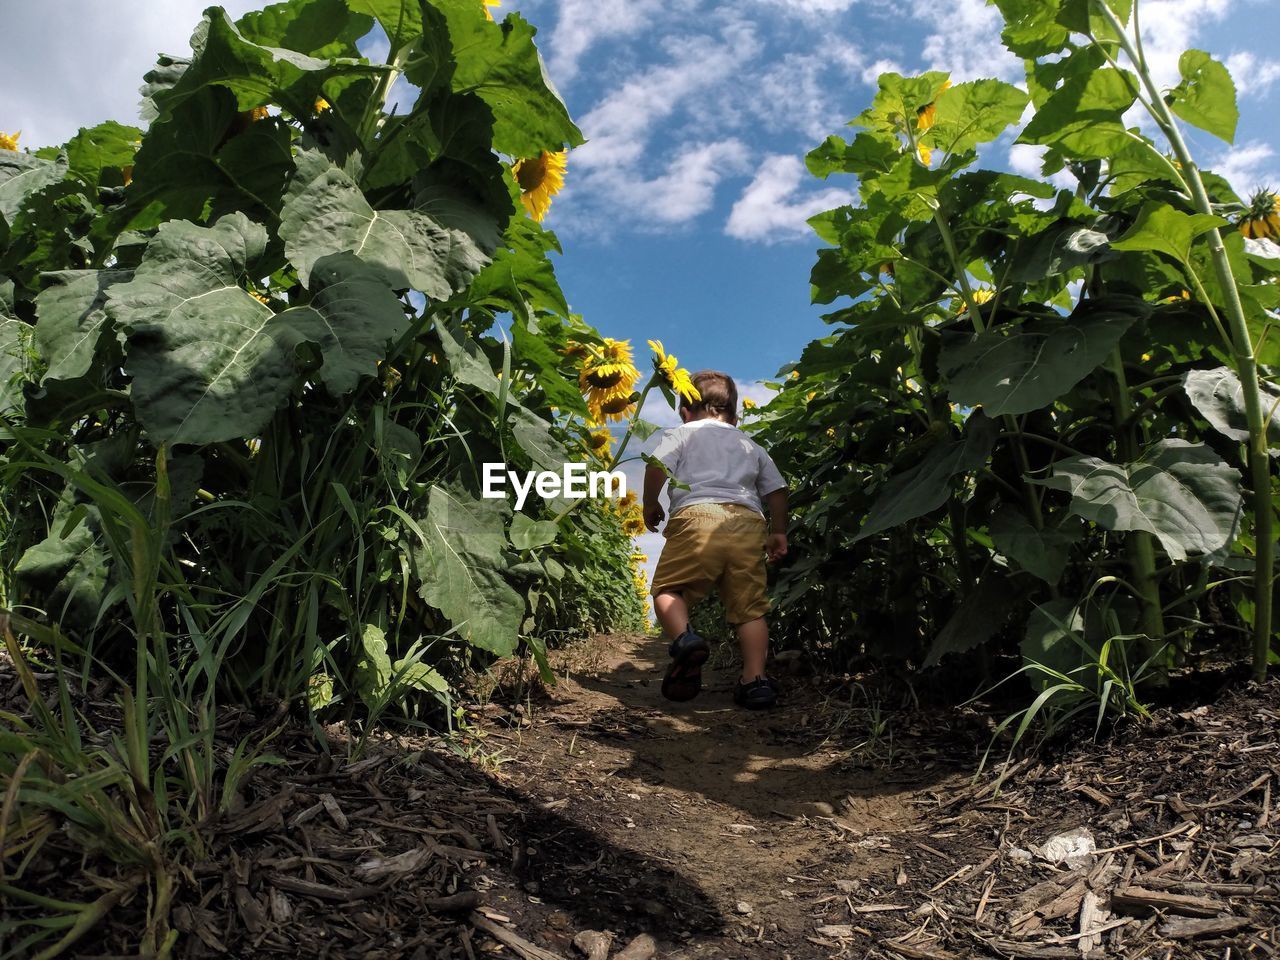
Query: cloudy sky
point(684, 215)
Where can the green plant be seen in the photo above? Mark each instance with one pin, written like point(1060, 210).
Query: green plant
point(1034, 393)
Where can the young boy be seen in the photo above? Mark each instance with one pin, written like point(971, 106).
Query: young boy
point(716, 537)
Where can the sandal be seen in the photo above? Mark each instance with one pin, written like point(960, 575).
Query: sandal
point(683, 679)
point(758, 694)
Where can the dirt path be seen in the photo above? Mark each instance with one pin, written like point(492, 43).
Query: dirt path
point(722, 832)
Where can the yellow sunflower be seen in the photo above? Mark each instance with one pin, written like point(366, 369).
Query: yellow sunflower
point(1261, 220)
point(321, 105)
point(749, 404)
point(600, 439)
point(9, 141)
point(980, 296)
point(488, 15)
point(607, 379)
point(258, 113)
point(677, 377)
point(927, 115)
point(540, 179)
point(925, 153)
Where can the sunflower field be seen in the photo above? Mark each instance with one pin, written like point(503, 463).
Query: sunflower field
point(249, 370)
point(1046, 402)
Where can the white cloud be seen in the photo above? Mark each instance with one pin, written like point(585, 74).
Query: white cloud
point(1169, 27)
point(1248, 166)
point(811, 8)
point(1026, 159)
point(872, 73)
point(966, 40)
point(687, 188)
point(770, 210)
point(1254, 75)
point(795, 92)
point(70, 65)
point(583, 23)
point(618, 128)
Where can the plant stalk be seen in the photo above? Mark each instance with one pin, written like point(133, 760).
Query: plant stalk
point(1242, 348)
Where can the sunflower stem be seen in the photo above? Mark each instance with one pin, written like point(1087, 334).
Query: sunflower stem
point(1242, 347)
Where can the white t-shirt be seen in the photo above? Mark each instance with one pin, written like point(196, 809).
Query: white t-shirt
point(720, 464)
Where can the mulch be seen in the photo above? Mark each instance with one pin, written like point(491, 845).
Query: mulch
point(415, 850)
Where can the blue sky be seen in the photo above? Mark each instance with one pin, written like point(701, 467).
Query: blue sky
point(683, 216)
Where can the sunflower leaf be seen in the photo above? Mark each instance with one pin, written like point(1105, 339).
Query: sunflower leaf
point(1206, 97)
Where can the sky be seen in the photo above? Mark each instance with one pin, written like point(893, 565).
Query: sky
point(683, 217)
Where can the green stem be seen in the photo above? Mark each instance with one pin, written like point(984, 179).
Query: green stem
point(1242, 348)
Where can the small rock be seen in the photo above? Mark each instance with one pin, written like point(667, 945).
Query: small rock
point(743, 908)
point(1074, 848)
point(924, 910)
point(847, 886)
point(641, 948)
point(594, 944)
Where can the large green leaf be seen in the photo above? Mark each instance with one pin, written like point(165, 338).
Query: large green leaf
point(71, 313)
point(21, 175)
point(1018, 368)
point(521, 278)
point(1181, 492)
point(14, 335)
point(401, 20)
point(210, 362)
point(1206, 97)
point(1041, 552)
point(1083, 117)
point(1060, 247)
point(499, 63)
point(204, 159)
point(976, 620)
point(70, 563)
point(257, 74)
point(1162, 228)
point(327, 213)
point(1219, 396)
point(925, 487)
point(974, 112)
point(351, 317)
point(464, 571)
point(320, 28)
point(529, 534)
point(108, 146)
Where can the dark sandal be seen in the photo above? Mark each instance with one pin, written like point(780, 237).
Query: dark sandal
point(683, 679)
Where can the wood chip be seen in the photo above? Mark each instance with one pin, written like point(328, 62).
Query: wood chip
point(1184, 929)
point(1138, 898)
point(400, 865)
point(508, 938)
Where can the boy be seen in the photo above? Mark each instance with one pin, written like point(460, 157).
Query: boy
point(715, 537)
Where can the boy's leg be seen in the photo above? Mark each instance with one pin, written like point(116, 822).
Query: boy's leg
point(753, 638)
point(673, 613)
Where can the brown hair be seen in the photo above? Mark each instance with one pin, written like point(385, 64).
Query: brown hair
point(719, 395)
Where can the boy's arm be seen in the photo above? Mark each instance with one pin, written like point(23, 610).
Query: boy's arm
point(776, 543)
point(654, 479)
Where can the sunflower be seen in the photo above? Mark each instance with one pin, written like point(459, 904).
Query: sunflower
point(676, 376)
point(924, 153)
point(927, 115)
point(749, 404)
point(1262, 218)
point(321, 105)
point(9, 141)
point(490, 3)
point(540, 179)
point(980, 296)
point(607, 378)
point(258, 113)
point(600, 439)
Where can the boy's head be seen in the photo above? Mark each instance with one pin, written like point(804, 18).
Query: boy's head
point(719, 398)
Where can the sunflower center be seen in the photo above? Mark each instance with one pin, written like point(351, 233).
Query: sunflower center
point(532, 172)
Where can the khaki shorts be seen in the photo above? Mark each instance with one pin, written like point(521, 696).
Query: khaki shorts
point(717, 545)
